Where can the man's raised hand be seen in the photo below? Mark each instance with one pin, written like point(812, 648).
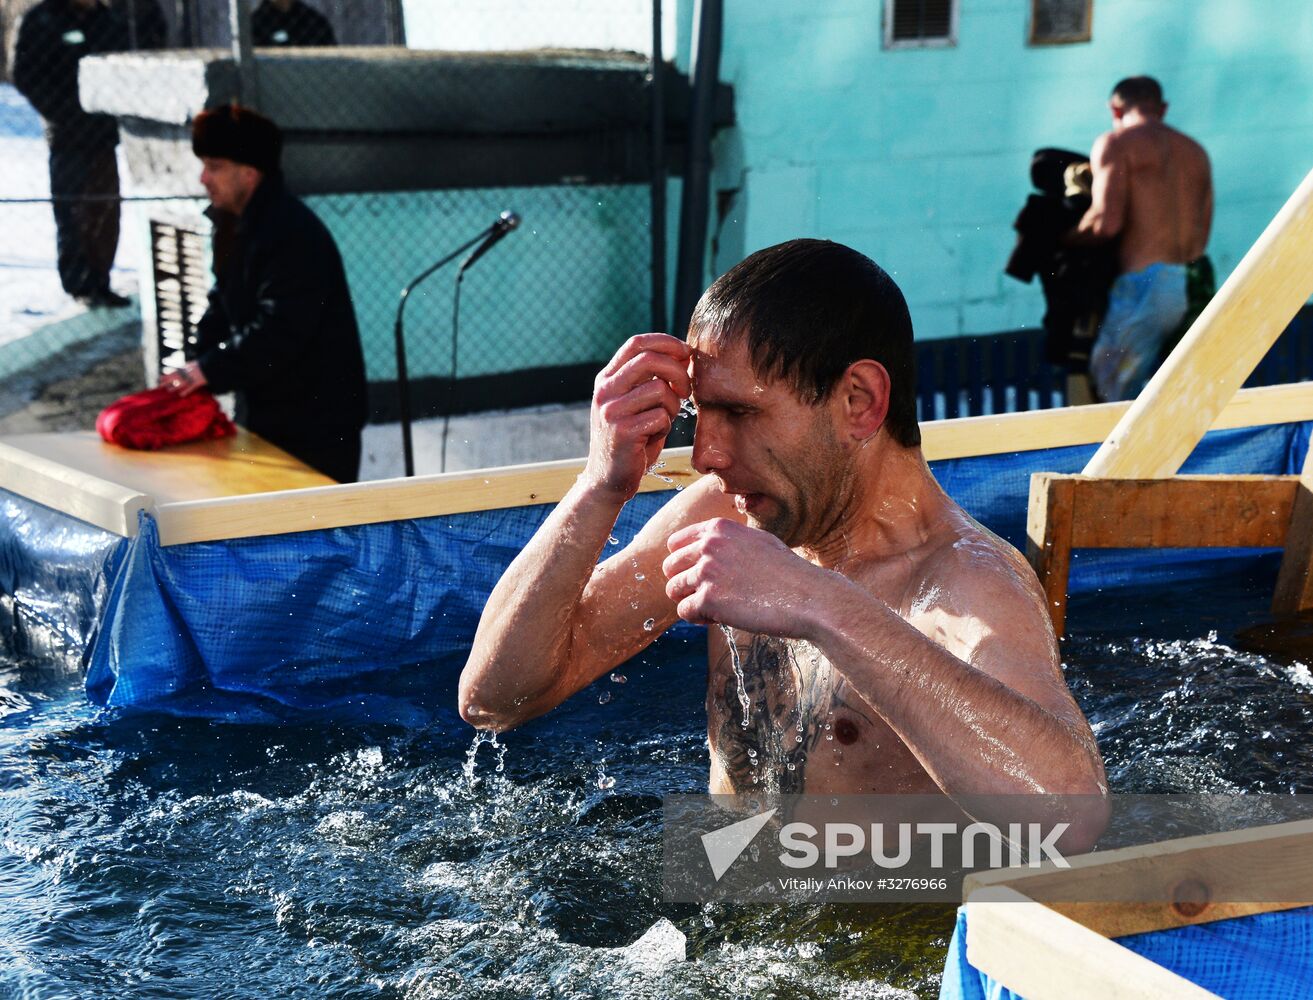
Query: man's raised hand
point(635, 401)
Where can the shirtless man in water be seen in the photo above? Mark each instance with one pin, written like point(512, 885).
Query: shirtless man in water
point(909, 645)
point(1152, 188)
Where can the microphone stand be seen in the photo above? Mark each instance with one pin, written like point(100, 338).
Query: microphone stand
point(403, 378)
point(455, 341)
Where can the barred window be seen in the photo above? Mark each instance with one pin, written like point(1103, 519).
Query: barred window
point(920, 23)
point(1060, 22)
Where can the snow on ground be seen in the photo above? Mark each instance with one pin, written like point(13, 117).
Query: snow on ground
point(30, 294)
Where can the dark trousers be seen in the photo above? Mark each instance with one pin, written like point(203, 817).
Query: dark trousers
point(334, 453)
point(84, 186)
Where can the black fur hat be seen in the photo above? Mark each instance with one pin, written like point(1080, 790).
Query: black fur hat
point(238, 134)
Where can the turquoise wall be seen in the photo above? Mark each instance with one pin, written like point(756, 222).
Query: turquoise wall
point(920, 157)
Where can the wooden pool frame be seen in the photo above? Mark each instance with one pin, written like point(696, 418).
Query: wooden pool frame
point(1023, 931)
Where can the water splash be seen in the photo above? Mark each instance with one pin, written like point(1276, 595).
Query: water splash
point(744, 701)
point(687, 408)
point(654, 470)
point(481, 737)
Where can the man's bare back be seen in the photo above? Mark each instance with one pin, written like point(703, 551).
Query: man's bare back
point(1153, 185)
point(1168, 194)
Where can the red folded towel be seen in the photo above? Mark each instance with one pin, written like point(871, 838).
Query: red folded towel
point(157, 418)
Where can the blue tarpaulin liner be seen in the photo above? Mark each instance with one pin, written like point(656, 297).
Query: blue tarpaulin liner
point(1265, 956)
point(364, 621)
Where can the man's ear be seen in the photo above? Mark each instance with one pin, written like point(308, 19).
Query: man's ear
point(864, 395)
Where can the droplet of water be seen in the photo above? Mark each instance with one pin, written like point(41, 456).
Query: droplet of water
point(604, 697)
point(605, 781)
point(649, 625)
point(792, 766)
point(612, 540)
point(618, 678)
point(639, 576)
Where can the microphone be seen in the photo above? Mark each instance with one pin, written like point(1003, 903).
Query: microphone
point(504, 224)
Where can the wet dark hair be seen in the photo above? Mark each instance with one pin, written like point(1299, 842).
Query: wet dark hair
point(806, 310)
point(1139, 92)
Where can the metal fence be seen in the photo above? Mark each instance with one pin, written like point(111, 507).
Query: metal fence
point(90, 211)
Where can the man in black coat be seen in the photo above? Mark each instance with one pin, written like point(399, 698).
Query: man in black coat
point(288, 23)
point(84, 180)
point(280, 329)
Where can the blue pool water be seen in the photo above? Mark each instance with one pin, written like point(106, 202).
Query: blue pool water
point(150, 856)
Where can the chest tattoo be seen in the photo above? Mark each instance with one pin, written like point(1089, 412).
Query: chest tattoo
point(793, 694)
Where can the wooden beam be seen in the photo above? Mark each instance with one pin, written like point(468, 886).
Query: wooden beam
point(1078, 512)
point(1219, 352)
point(388, 500)
point(1189, 880)
point(1048, 540)
point(1034, 430)
point(89, 498)
point(1041, 954)
point(1294, 589)
point(1184, 512)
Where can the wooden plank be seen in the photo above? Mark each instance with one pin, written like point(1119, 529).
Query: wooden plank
point(388, 500)
point(1048, 540)
point(46, 480)
point(1250, 311)
point(1039, 429)
point(1041, 954)
point(1183, 512)
point(1294, 590)
point(1189, 880)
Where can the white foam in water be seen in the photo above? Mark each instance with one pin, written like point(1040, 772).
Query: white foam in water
point(734, 660)
point(660, 945)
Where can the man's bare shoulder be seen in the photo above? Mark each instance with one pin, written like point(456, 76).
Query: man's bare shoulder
point(977, 571)
point(979, 598)
point(1107, 146)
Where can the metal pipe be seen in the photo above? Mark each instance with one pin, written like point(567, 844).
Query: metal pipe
point(133, 40)
point(658, 227)
point(697, 172)
point(239, 21)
